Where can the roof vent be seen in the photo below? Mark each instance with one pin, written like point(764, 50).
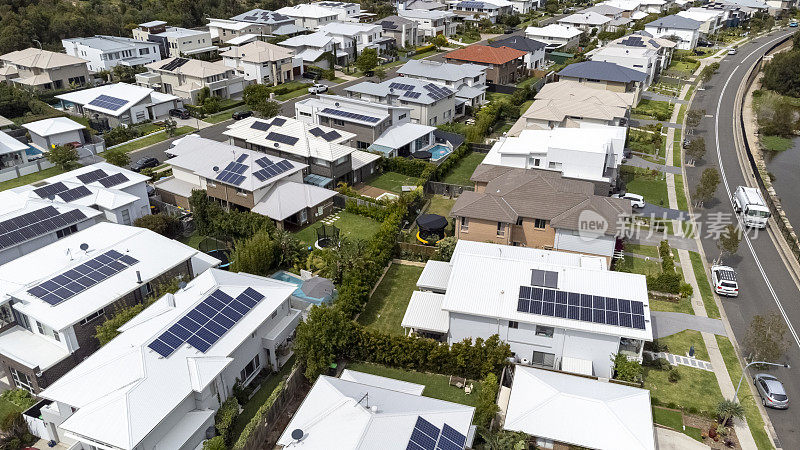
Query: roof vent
point(215, 168)
point(374, 409)
point(277, 145)
point(138, 277)
point(298, 434)
point(84, 246)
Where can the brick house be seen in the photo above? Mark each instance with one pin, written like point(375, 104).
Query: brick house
point(504, 65)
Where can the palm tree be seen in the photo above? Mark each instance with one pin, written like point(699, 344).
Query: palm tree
point(728, 409)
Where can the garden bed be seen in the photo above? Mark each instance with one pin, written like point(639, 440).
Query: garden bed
point(653, 109)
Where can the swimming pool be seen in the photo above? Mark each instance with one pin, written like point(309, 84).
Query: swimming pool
point(439, 151)
point(289, 277)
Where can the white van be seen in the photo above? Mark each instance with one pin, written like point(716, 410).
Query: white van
point(637, 201)
point(748, 202)
point(724, 280)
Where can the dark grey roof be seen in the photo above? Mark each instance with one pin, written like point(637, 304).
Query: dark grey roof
point(392, 23)
point(601, 70)
point(676, 22)
point(519, 43)
point(445, 136)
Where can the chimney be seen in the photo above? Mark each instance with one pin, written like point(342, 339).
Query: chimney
point(138, 277)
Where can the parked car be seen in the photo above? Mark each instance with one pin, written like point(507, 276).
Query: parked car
point(317, 88)
point(509, 30)
point(311, 75)
point(144, 163)
point(793, 23)
point(637, 201)
point(724, 280)
point(702, 43)
point(686, 143)
point(732, 51)
point(239, 115)
point(771, 391)
point(181, 113)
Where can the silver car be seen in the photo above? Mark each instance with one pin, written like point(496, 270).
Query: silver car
point(771, 391)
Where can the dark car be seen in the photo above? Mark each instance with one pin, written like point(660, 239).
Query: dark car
point(144, 163)
point(311, 75)
point(510, 30)
point(239, 115)
point(181, 113)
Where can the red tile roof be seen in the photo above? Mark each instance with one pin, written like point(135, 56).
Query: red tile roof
point(485, 54)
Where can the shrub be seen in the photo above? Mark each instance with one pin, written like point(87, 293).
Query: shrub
point(162, 224)
point(19, 397)
point(662, 364)
point(215, 443)
point(626, 369)
point(486, 407)
point(674, 375)
point(669, 282)
point(656, 346)
point(226, 417)
point(371, 211)
point(258, 417)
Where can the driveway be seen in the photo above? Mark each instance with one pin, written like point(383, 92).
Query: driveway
point(668, 323)
point(638, 161)
point(659, 212)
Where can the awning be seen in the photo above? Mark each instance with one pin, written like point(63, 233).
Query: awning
point(32, 350)
point(201, 50)
point(318, 180)
point(380, 148)
point(424, 312)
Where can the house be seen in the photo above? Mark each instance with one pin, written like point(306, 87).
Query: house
point(684, 31)
point(642, 59)
point(534, 60)
point(574, 91)
point(468, 80)
point(366, 120)
point(711, 20)
point(42, 69)
point(310, 16)
point(185, 78)
point(504, 65)
point(613, 415)
point(557, 37)
point(353, 38)
point(732, 15)
point(524, 6)
point(311, 48)
point(58, 294)
point(609, 11)
point(431, 22)
point(360, 411)
point(427, 5)
point(590, 151)
point(159, 383)
point(48, 133)
point(245, 180)
point(585, 21)
point(431, 104)
point(270, 21)
point(406, 139)
point(12, 151)
point(174, 41)
point(120, 104)
point(346, 11)
point(404, 31)
point(328, 154)
point(553, 308)
point(605, 75)
point(261, 62)
point(107, 52)
point(478, 10)
point(223, 30)
point(569, 112)
point(664, 48)
point(642, 6)
point(120, 194)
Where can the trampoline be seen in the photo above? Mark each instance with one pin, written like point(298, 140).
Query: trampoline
point(218, 249)
point(327, 236)
point(431, 228)
point(424, 155)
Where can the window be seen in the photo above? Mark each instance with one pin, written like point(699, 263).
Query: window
point(401, 116)
point(306, 114)
point(55, 336)
point(240, 191)
point(513, 324)
point(126, 217)
point(274, 314)
point(250, 369)
point(91, 317)
point(539, 223)
point(544, 331)
point(212, 184)
point(501, 229)
point(320, 210)
point(39, 327)
point(338, 122)
point(519, 220)
point(464, 224)
point(21, 380)
point(544, 359)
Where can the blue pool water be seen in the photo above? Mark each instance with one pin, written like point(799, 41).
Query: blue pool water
point(289, 277)
point(439, 151)
point(33, 152)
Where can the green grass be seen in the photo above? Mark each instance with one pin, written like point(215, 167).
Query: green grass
point(193, 240)
point(681, 113)
point(224, 115)
point(677, 148)
point(686, 67)
point(680, 196)
point(349, 224)
point(6, 407)
point(644, 250)
point(461, 172)
point(690, 91)
point(388, 304)
point(424, 54)
point(30, 178)
point(775, 143)
point(392, 181)
point(495, 96)
point(751, 411)
point(250, 408)
point(646, 183)
point(436, 386)
point(294, 94)
point(668, 418)
point(151, 140)
point(524, 107)
point(632, 264)
point(657, 110)
point(694, 433)
point(527, 82)
point(705, 287)
point(679, 343)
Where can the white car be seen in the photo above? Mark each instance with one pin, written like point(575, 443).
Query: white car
point(732, 51)
point(637, 201)
point(317, 88)
point(724, 280)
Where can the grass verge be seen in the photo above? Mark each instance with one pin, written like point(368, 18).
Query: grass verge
point(153, 139)
point(388, 304)
point(680, 195)
point(705, 287)
point(679, 343)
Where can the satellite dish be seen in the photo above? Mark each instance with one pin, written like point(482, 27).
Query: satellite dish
point(215, 168)
point(297, 434)
point(84, 246)
point(182, 284)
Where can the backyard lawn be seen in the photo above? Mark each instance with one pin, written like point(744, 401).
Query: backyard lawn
point(674, 420)
point(647, 183)
point(153, 139)
point(461, 173)
point(441, 205)
point(349, 224)
point(644, 250)
point(250, 408)
point(393, 181)
point(653, 109)
point(436, 386)
point(30, 178)
point(388, 304)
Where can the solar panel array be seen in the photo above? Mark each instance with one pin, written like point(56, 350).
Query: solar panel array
point(401, 86)
point(82, 277)
point(437, 92)
point(478, 5)
point(36, 223)
point(583, 307)
point(329, 136)
point(387, 25)
point(92, 176)
point(412, 94)
point(427, 436)
point(633, 41)
point(174, 64)
point(50, 190)
point(74, 193)
point(271, 169)
point(113, 180)
point(350, 115)
point(232, 173)
point(108, 102)
point(278, 121)
point(282, 138)
point(204, 325)
point(261, 126)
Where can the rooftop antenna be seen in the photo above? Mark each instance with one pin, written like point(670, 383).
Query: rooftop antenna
point(365, 397)
point(69, 253)
point(182, 285)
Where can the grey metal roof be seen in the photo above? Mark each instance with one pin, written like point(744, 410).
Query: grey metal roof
point(519, 43)
point(262, 16)
point(441, 70)
point(392, 23)
point(601, 70)
point(675, 22)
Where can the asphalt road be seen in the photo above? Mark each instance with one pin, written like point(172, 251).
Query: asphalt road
point(765, 284)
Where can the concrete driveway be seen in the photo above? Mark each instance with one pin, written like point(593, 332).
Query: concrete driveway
point(673, 440)
point(659, 212)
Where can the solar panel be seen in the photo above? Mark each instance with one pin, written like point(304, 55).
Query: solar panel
point(270, 170)
point(50, 190)
point(583, 307)
point(108, 102)
point(82, 277)
point(278, 121)
point(204, 325)
point(241, 158)
point(451, 439)
point(261, 126)
point(401, 86)
point(36, 223)
point(94, 175)
point(264, 161)
point(282, 138)
point(349, 115)
point(174, 64)
point(316, 131)
point(412, 94)
point(75, 193)
point(329, 136)
point(113, 180)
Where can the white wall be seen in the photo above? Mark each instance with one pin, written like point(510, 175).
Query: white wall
point(688, 38)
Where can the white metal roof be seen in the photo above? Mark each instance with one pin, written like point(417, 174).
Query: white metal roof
point(53, 126)
point(435, 275)
point(124, 390)
point(382, 382)
point(424, 312)
point(350, 28)
point(586, 18)
point(339, 414)
point(402, 134)
point(156, 255)
point(360, 159)
point(131, 94)
point(31, 349)
point(553, 30)
point(307, 10)
point(10, 145)
point(580, 411)
point(317, 39)
point(287, 198)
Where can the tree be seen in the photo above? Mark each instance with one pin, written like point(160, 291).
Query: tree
point(708, 72)
point(215, 443)
point(290, 249)
point(367, 60)
point(211, 105)
point(626, 369)
point(694, 116)
point(439, 41)
point(63, 156)
point(445, 248)
point(255, 255)
point(322, 336)
point(729, 240)
point(162, 224)
point(117, 157)
point(486, 408)
point(380, 73)
point(170, 126)
point(696, 149)
point(502, 440)
point(729, 409)
point(203, 94)
point(256, 96)
point(707, 186)
point(766, 338)
point(269, 109)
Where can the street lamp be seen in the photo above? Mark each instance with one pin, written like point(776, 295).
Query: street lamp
point(736, 395)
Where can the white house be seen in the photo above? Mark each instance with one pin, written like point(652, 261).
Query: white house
point(642, 59)
point(48, 133)
point(12, 151)
point(310, 16)
point(406, 139)
point(364, 411)
point(159, 383)
point(309, 48)
point(551, 307)
point(468, 80)
point(58, 294)
point(174, 41)
point(431, 104)
point(223, 30)
point(486, 9)
point(261, 62)
point(664, 48)
point(555, 36)
point(120, 103)
point(585, 21)
point(524, 6)
point(686, 31)
point(431, 22)
point(346, 11)
point(352, 38)
point(106, 52)
point(712, 20)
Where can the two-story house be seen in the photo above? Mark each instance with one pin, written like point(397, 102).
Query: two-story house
point(160, 382)
point(270, 21)
point(261, 62)
point(57, 295)
point(118, 104)
point(431, 103)
point(175, 41)
point(312, 48)
point(585, 21)
point(605, 75)
point(468, 80)
point(309, 15)
point(534, 59)
point(185, 78)
point(352, 38)
point(431, 22)
point(223, 30)
point(557, 37)
point(664, 48)
point(107, 52)
point(683, 30)
point(478, 10)
point(504, 65)
point(404, 31)
point(42, 69)
point(553, 308)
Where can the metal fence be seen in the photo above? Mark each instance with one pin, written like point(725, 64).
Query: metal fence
point(166, 208)
point(446, 189)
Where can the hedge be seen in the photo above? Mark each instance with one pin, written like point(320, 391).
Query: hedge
point(371, 211)
point(226, 417)
point(258, 417)
point(409, 167)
